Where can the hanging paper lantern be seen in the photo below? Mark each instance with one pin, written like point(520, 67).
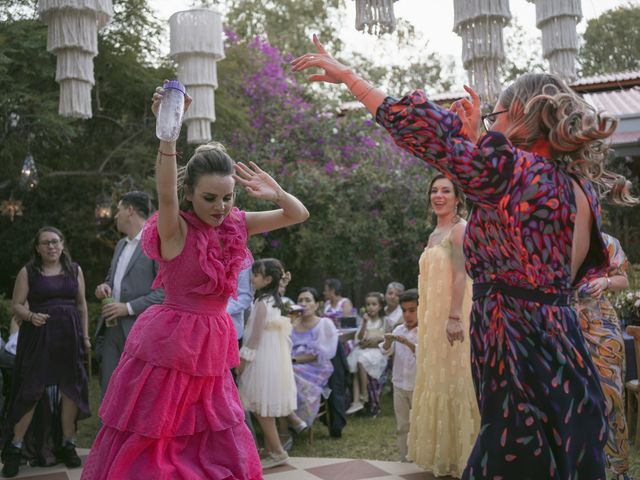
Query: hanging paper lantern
point(103, 212)
point(196, 44)
point(375, 16)
point(73, 38)
point(11, 208)
point(480, 24)
point(557, 20)
point(29, 174)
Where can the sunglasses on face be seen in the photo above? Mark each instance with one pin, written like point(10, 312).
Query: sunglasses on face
point(489, 119)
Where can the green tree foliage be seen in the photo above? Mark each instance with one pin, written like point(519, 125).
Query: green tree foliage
point(612, 41)
point(134, 29)
point(11, 10)
point(366, 197)
point(76, 159)
point(524, 52)
point(288, 24)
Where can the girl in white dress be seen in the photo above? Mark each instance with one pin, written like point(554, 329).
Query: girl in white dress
point(266, 383)
point(366, 358)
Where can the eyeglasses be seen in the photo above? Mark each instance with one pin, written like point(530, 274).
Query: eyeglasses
point(489, 119)
point(46, 243)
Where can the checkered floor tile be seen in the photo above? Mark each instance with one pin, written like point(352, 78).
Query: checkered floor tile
point(296, 469)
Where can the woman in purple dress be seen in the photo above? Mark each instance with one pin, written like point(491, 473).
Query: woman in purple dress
point(315, 340)
point(49, 299)
point(533, 235)
point(335, 305)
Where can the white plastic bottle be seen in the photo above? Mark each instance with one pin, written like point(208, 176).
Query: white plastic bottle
point(170, 112)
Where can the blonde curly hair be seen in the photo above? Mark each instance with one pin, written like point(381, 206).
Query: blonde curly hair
point(542, 106)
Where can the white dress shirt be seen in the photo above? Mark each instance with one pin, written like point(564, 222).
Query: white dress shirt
point(393, 319)
point(121, 267)
point(404, 361)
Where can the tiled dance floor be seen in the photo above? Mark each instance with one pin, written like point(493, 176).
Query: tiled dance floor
point(296, 469)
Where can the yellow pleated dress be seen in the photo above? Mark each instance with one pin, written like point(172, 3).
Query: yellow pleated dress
point(444, 418)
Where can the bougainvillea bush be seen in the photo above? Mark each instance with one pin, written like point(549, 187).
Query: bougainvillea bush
point(367, 198)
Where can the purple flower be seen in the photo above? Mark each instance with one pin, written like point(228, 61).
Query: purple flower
point(274, 243)
point(369, 142)
point(330, 167)
point(232, 36)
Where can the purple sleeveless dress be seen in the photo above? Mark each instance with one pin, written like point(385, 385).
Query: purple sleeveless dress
point(49, 361)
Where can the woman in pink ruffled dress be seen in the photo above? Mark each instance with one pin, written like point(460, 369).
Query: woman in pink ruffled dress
point(172, 410)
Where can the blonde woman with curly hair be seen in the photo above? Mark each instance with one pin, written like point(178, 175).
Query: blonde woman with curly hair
point(534, 178)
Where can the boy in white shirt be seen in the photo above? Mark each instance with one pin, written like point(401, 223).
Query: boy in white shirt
point(401, 343)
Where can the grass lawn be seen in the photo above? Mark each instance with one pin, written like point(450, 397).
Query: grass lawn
point(363, 437)
point(88, 429)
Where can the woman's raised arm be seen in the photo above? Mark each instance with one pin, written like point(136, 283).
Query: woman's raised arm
point(171, 228)
point(428, 131)
point(335, 72)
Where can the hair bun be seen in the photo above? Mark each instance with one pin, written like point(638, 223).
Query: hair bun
point(211, 146)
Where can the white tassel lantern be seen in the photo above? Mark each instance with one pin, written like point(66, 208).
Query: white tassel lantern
point(480, 24)
point(72, 36)
point(196, 44)
point(557, 20)
point(375, 16)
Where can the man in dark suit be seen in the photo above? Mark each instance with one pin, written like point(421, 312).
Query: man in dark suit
point(127, 287)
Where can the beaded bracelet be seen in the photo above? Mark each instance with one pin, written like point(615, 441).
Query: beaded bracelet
point(167, 154)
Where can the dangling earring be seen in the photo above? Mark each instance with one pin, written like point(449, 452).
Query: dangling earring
point(456, 217)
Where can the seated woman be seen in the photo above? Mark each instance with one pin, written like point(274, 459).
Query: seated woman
point(315, 340)
point(336, 305)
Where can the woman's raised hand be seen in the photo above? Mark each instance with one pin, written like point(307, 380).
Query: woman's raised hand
point(334, 71)
point(469, 113)
point(157, 98)
point(257, 182)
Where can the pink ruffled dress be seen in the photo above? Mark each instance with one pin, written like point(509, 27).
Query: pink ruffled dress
point(172, 410)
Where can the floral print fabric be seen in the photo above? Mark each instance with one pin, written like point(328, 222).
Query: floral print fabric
point(601, 329)
point(541, 405)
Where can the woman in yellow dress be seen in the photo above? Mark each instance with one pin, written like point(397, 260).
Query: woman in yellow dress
point(444, 416)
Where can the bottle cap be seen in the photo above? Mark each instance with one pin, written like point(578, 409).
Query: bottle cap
point(175, 85)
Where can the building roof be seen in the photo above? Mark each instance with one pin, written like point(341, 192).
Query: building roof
point(607, 81)
point(625, 138)
point(448, 97)
point(616, 102)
